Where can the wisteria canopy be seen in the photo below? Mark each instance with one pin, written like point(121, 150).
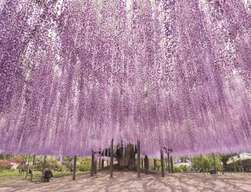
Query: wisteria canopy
point(75, 74)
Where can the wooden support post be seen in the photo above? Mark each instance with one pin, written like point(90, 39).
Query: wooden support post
point(162, 163)
point(92, 164)
point(33, 160)
point(43, 167)
point(171, 162)
point(95, 166)
point(111, 164)
point(74, 168)
point(33, 165)
point(28, 166)
point(138, 158)
point(168, 161)
point(102, 163)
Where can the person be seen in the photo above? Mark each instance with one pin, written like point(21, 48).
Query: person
point(213, 171)
point(47, 175)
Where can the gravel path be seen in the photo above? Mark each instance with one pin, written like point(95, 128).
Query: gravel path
point(128, 182)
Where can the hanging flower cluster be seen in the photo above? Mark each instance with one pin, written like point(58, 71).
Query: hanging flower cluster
point(75, 74)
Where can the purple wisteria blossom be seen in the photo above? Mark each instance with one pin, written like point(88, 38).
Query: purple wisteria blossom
point(75, 74)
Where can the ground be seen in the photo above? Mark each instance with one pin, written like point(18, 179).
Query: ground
point(128, 182)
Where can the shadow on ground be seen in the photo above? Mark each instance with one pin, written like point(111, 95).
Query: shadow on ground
point(128, 182)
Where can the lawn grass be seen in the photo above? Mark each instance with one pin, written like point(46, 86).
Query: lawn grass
point(8, 175)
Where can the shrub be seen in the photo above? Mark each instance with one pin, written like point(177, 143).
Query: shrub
point(181, 169)
point(84, 165)
point(52, 164)
point(206, 163)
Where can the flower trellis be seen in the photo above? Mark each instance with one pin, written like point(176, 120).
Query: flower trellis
point(171, 73)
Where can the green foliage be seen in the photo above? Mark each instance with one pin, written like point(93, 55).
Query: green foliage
point(67, 163)
point(181, 169)
point(9, 173)
point(55, 165)
point(59, 169)
point(84, 164)
point(206, 163)
point(50, 163)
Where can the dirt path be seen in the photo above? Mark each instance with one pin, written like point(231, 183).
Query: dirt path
point(128, 182)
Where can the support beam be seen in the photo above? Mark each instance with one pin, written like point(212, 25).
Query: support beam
point(168, 162)
point(162, 163)
point(102, 164)
point(92, 164)
point(43, 167)
point(171, 162)
point(33, 160)
point(138, 158)
point(95, 166)
point(74, 168)
point(111, 164)
point(28, 166)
